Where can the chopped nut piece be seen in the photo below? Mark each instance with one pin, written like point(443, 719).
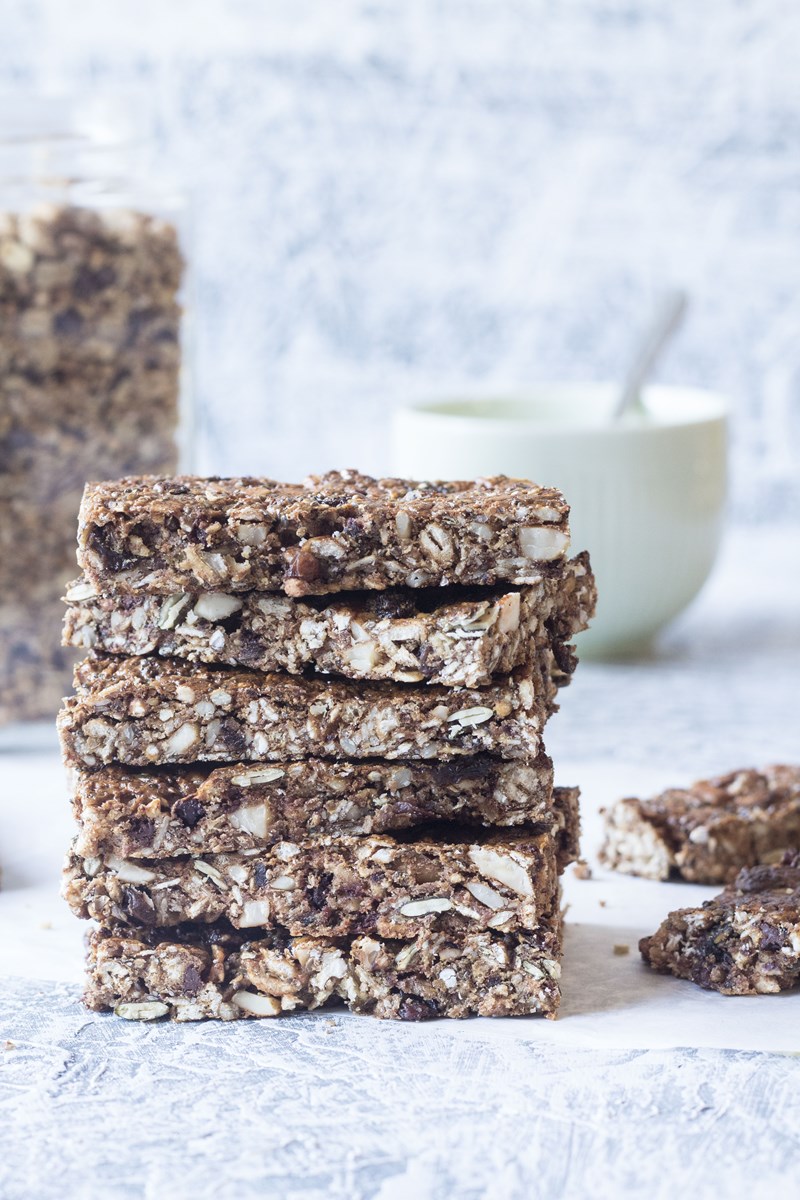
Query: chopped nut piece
point(422, 908)
point(257, 1004)
point(127, 872)
point(252, 778)
point(472, 716)
point(502, 868)
point(149, 1010)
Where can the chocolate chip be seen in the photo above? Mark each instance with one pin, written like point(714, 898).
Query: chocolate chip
point(190, 811)
point(260, 875)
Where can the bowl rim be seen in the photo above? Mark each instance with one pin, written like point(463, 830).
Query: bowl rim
point(713, 408)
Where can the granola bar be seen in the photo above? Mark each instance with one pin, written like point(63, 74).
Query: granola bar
point(707, 832)
point(339, 531)
point(50, 465)
point(453, 638)
point(89, 381)
point(222, 810)
point(145, 711)
point(744, 942)
point(34, 670)
point(333, 887)
point(191, 974)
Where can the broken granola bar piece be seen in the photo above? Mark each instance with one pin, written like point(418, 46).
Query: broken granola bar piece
point(744, 942)
point(193, 973)
point(458, 637)
point(333, 887)
point(147, 711)
point(706, 833)
point(166, 812)
point(342, 531)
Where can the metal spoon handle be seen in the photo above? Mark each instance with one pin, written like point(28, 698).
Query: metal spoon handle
point(668, 317)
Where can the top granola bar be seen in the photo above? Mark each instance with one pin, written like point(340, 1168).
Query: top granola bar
point(335, 532)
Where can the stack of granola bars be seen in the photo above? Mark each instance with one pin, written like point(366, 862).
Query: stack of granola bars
point(89, 381)
point(307, 745)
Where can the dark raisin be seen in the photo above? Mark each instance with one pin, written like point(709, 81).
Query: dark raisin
point(413, 1008)
point(407, 809)
point(138, 321)
point(710, 949)
point(139, 906)
point(68, 323)
point(772, 938)
point(113, 560)
point(428, 660)
point(88, 282)
point(318, 895)
point(190, 811)
point(392, 604)
point(143, 830)
point(198, 535)
point(231, 737)
point(192, 980)
point(260, 875)
point(302, 564)
point(249, 647)
point(564, 656)
point(478, 767)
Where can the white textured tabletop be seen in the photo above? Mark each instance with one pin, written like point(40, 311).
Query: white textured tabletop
point(633, 1091)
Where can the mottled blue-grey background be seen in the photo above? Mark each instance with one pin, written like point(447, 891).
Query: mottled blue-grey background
point(392, 197)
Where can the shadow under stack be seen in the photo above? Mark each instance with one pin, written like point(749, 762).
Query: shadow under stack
point(307, 745)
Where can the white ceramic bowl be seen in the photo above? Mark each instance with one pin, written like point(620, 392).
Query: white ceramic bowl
point(647, 494)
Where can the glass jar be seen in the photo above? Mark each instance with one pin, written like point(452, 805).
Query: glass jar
point(92, 382)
